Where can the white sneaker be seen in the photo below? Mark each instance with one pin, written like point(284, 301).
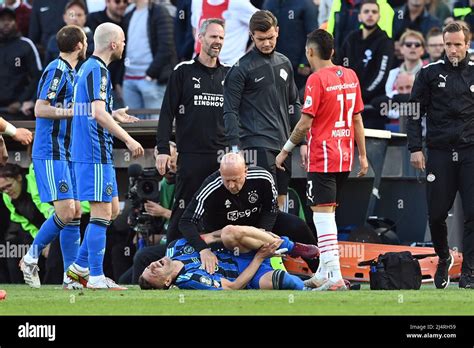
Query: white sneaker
point(332, 285)
point(30, 274)
point(77, 276)
point(105, 283)
point(70, 284)
point(314, 282)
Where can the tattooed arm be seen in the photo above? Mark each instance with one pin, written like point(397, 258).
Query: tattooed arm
point(298, 134)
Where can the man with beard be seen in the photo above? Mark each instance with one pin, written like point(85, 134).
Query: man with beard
point(368, 51)
point(21, 68)
point(261, 102)
point(194, 97)
point(443, 90)
point(94, 125)
point(52, 156)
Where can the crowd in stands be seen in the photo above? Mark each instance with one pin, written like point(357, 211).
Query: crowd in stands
point(386, 42)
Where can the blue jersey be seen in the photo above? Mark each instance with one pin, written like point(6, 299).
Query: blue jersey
point(53, 137)
point(91, 142)
point(193, 276)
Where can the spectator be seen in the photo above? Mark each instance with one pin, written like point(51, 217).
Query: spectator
point(150, 55)
point(74, 14)
point(434, 45)
point(296, 19)
point(344, 19)
point(394, 110)
point(22, 11)
point(463, 10)
point(438, 9)
point(183, 31)
point(236, 14)
point(414, 16)
point(45, 21)
point(21, 67)
point(368, 51)
point(114, 12)
point(412, 46)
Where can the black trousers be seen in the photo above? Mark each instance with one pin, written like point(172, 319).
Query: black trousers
point(447, 173)
point(193, 169)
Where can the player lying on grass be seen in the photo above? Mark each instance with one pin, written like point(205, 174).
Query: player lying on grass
point(243, 264)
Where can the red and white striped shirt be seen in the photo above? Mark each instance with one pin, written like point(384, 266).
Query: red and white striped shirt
point(332, 96)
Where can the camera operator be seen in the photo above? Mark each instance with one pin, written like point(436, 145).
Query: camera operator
point(146, 214)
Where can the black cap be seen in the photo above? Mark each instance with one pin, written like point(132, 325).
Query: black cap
point(5, 11)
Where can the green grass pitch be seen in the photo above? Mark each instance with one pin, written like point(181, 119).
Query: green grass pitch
point(52, 300)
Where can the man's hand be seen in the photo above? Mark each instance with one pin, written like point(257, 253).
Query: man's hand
point(304, 155)
point(27, 107)
point(364, 166)
point(417, 160)
point(23, 136)
point(162, 163)
point(154, 209)
point(268, 250)
point(122, 116)
point(280, 159)
point(3, 152)
point(208, 260)
point(135, 148)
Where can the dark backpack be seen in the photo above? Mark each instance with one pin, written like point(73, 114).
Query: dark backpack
point(395, 271)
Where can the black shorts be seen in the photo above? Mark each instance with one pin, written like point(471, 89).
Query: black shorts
point(325, 188)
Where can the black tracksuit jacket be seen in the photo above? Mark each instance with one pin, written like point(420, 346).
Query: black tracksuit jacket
point(261, 101)
point(445, 94)
point(194, 97)
point(215, 207)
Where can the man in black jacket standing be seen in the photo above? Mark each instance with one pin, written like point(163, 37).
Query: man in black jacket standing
point(194, 97)
point(149, 57)
point(368, 51)
point(20, 69)
point(444, 90)
point(261, 101)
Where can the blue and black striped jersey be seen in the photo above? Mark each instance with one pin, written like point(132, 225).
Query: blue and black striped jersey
point(53, 137)
point(91, 142)
point(193, 276)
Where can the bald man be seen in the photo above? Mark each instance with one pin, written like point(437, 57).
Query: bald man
point(94, 126)
point(239, 196)
point(404, 83)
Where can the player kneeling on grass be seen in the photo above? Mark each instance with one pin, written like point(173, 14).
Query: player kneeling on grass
point(244, 264)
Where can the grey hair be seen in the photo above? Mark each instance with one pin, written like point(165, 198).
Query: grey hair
point(209, 21)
